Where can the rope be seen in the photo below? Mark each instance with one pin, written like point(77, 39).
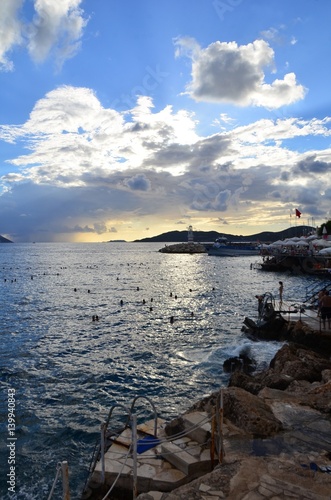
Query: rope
point(58, 469)
point(198, 445)
point(90, 466)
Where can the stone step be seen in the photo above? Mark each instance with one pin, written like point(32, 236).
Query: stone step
point(144, 429)
point(152, 473)
point(164, 466)
point(183, 461)
point(196, 430)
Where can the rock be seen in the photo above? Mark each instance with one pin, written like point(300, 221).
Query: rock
point(184, 248)
point(246, 382)
point(175, 426)
point(239, 363)
point(276, 380)
point(300, 363)
point(326, 375)
point(274, 329)
point(278, 328)
point(250, 413)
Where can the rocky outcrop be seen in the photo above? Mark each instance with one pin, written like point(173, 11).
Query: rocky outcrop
point(292, 331)
point(293, 368)
point(277, 433)
point(243, 363)
point(250, 413)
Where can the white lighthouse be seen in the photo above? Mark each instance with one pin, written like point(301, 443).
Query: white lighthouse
point(190, 234)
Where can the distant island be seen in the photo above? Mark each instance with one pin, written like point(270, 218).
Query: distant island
point(4, 240)
point(210, 236)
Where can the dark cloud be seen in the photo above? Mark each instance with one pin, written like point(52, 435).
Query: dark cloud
point(139, 182)
point(311, 165)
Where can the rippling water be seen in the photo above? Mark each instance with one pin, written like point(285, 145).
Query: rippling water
point(60, 362)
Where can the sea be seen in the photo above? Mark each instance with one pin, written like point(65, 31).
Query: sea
point(166, 324)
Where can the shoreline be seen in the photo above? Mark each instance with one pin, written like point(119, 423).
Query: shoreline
point(276, 431)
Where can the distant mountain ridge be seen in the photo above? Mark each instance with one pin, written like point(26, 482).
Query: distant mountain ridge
point(209, 236)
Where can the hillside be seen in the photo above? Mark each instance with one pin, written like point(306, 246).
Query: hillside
point(209, 236)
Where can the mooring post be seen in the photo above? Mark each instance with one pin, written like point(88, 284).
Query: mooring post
point(65, 480)
point(221, 456)
point(212, 442)
point(134, 456)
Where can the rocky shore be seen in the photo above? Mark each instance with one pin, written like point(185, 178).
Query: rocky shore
point(277, 428)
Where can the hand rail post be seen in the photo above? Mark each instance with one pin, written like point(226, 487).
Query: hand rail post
point(65, 480)
point(134, 455)
point(102, 450)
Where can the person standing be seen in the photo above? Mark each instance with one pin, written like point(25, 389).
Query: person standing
point(260, 304)
point(320, 296)
point(326, 309)
point(281, 288)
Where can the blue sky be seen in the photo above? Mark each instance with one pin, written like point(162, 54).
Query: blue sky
point(126, 119)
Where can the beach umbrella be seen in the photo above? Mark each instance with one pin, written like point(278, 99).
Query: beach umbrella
point(289, 243)
point(325, 251)
point(302, 243)
point(311, 237)
point(320, 243)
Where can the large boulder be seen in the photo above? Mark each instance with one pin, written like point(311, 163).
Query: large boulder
point(246, 382)
point(243, 362)
point(299, 363)
point(250, 413)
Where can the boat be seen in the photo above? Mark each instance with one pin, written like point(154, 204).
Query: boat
point(223, 247)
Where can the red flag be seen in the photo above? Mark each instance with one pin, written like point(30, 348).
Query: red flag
point(297, 213)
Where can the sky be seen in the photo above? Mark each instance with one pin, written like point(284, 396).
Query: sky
point(125, 119)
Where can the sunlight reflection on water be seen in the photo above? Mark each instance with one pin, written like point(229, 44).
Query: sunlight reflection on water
point(58, 359)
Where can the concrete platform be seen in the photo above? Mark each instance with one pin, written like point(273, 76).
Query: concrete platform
point(290, 311)
point(172, 462)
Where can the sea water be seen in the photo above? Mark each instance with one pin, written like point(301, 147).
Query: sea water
point(166, 325)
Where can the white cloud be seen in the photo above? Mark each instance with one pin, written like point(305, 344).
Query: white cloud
point(228, 72)
point(56, 29)
point(58, 26)
point(10, 31)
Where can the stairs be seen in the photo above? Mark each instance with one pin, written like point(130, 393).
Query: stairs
point(163, 464)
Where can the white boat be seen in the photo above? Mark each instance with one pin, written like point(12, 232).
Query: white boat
point(225, 248)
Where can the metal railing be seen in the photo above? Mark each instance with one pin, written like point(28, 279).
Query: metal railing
point(216, 440)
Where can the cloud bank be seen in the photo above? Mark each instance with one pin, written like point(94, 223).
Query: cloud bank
point(91, 169)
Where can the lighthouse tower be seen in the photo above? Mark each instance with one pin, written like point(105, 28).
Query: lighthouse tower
point(190, 234)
